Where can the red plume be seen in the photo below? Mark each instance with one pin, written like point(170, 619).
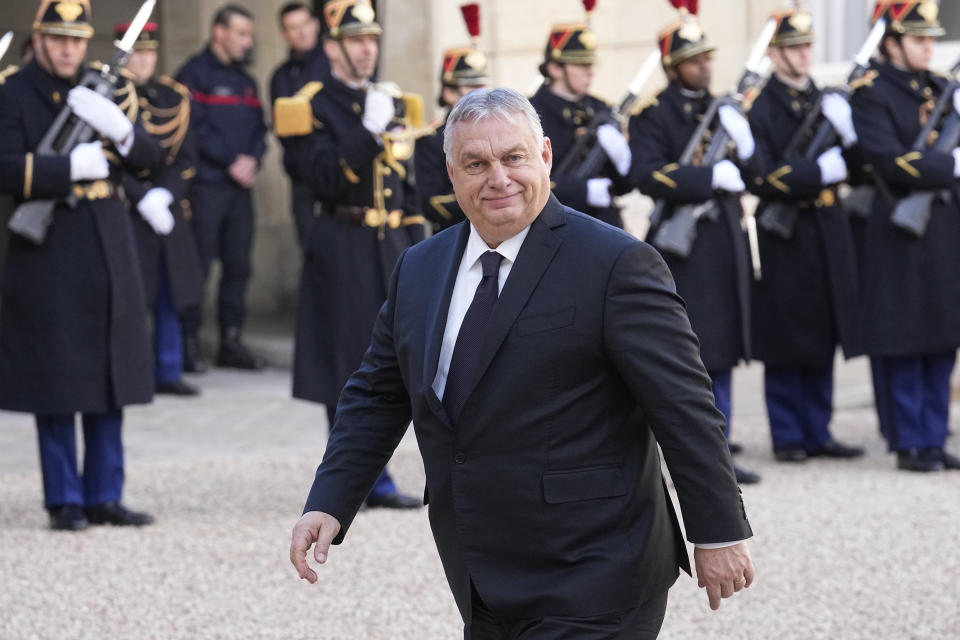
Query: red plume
point(589, 5)
point(471, 15)
point(689, 5)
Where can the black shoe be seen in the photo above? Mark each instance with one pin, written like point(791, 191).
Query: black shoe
point(193, 361)
point(833, 449)
point(734, 447)
point(949, 461)
point(394, 501)
point(744, 476)
point(177, 388)
point(915, 460)
point(69, 517)
point(790, 454)
point(235, 354)
point(116, 514)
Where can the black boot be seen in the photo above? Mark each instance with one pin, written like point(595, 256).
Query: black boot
point(234, 354)
point(193, 361)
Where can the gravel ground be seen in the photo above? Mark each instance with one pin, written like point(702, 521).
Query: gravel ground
point(843, 549)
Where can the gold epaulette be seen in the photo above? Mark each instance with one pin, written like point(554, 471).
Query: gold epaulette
point(866, 80)
point(649, 101)
point(168, 124)
point(293, 116)
point(180, 88)
point(6, 73)
point(414, 107)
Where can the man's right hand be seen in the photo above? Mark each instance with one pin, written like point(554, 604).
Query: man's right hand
point(244, 171)
point(312, 527)
point(88, 162)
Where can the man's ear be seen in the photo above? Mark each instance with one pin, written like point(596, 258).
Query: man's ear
point(547, 153)
point(449, 171)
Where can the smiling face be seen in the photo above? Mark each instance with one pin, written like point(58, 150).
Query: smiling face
point(500, 177)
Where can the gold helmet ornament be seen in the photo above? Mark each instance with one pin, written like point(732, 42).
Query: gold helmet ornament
point(64, 18)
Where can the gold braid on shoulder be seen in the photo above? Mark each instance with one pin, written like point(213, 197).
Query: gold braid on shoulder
point(169, 124)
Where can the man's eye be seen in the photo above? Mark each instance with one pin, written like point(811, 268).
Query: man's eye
point(473, 165)
point(515, 158)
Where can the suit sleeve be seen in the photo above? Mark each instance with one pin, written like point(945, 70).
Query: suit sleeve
point(658, 175)
point(332, 166)
point(209, 144)
point(894, 162)
point(24, 174)
point(770, 176)
point(649, 340)
point(372, 416)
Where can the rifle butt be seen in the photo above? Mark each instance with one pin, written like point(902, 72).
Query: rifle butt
point(32, 220)
point(913, 213)
point(779, 219)
point(677, 235)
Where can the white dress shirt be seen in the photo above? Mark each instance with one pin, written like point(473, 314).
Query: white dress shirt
point(469, 276)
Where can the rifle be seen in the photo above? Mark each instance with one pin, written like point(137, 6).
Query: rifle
point(913, 212)
point(677, 234)
point(33, 218)
point(780, 218)
point(587, 157)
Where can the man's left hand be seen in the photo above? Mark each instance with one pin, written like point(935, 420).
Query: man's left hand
point(100, 113)
point(244, 170)
point(723, 571)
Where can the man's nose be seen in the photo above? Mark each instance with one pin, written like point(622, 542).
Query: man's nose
point(498, 177)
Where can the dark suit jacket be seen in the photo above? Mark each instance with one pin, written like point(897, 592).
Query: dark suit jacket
point(547, 493)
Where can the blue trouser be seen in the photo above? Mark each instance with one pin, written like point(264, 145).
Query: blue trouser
point(721, 380)
point(384, 485)
point(799, 405)
point(167, 338)
point(913, 399)
point(102, 479)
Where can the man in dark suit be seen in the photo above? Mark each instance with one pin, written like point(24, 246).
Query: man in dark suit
point(540, 370)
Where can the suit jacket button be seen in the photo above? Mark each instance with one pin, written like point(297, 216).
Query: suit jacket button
point(459, 458)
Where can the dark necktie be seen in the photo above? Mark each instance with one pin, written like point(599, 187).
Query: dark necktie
point(466, 351)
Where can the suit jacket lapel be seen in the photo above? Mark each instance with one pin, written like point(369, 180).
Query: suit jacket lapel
point(436, 314)
point(538, 249)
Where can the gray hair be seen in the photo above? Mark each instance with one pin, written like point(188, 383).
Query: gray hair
point(480, 104)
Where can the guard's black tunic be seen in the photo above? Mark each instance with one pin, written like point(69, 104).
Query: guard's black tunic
point(73, 335)
point(714, 279)
point(806, 302)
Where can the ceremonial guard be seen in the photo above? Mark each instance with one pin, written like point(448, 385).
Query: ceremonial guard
point(575, 121)
point(168, 254)
point(227, 119)
point(355, 161)
point(73, 334)
point(306, 63)
point(713, 280)
point(464, 69)
point(911, 266)
point(805, 303)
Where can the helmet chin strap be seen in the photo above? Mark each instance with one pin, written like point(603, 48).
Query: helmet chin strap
point(346, 56)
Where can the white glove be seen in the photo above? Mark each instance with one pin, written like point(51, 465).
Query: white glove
point(598, 192)
point(738, 129)
point(378, 111)
point(616, 147)
point(100, 113)
point(154, 207)
point(726, 177)
point(833, 168)
point(838, 112)
point(88, 162)
point(956, 161)
point(956, 100)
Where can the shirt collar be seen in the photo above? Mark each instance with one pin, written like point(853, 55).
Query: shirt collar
point(476, 246)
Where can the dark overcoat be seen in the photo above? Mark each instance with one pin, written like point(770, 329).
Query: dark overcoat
point(73, 334)
point(714, 280)
point(347, 264)
point(564, 122)
point(911, 285)
point(806, 302)
point(168, 104)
